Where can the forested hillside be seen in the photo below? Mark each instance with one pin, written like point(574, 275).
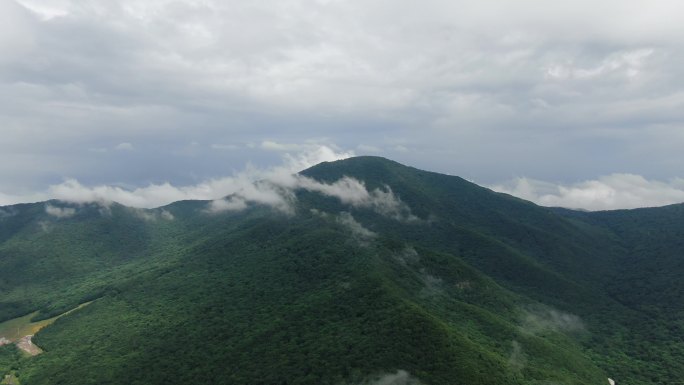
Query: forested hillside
point(362, 271)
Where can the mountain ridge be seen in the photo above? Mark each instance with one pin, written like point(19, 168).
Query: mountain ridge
point(413, 274)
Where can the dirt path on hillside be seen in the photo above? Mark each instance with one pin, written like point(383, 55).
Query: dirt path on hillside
point(27, 345)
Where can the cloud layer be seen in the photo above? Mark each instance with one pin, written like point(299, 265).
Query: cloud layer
point(616, 191)
point(277, 189)
point(275, 186)
point(190, 89)
point(60, 212)
point(255, 184)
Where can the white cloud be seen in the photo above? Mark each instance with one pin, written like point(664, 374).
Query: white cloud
point(616, 191)
point(312, 155)
point(148, 215)
point(259, 192)
point(60, 212)
point(274, 187)
point(401, 377)
point(347, 190)
point(356, 228)
point(353, 192)
point(227, 204)
point(270, 186)
point(541, 319)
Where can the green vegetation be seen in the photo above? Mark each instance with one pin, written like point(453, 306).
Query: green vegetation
point(14, 329)
point(10, 379)
point(481, 288)
point(10, 359)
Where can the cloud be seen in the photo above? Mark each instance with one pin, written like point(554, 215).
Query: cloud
point(151, 215)
point(269, 186)
point(145, 197)
point(353, 192)
point(125, 146)
point(227, 204)
point(7, 212)
point(517, 359)
point(358, 231)
point(277, 190)
point(401, 377)
point(433, 285)
point(276, 186)
point(537, 320)
point(259, 192)
point(60, 212)
point(45, 226)
point(273, 187)
point(616, 191)
point(408, 256)
point(388, 204)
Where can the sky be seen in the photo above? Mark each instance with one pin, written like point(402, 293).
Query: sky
point(577, 104)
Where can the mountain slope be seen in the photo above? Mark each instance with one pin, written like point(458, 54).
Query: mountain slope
point(414, 276)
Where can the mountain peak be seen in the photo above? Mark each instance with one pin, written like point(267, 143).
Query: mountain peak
point(352, 164)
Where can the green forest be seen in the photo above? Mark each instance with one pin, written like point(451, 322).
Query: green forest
point(437, 281)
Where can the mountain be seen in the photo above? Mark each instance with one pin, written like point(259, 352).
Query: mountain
point(360, 271)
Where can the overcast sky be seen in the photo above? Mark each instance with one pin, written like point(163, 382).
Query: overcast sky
point(577, 103)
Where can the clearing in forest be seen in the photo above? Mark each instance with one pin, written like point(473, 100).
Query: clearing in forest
point(16, 330)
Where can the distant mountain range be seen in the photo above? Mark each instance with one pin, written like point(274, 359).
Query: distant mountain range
point(360, 271)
